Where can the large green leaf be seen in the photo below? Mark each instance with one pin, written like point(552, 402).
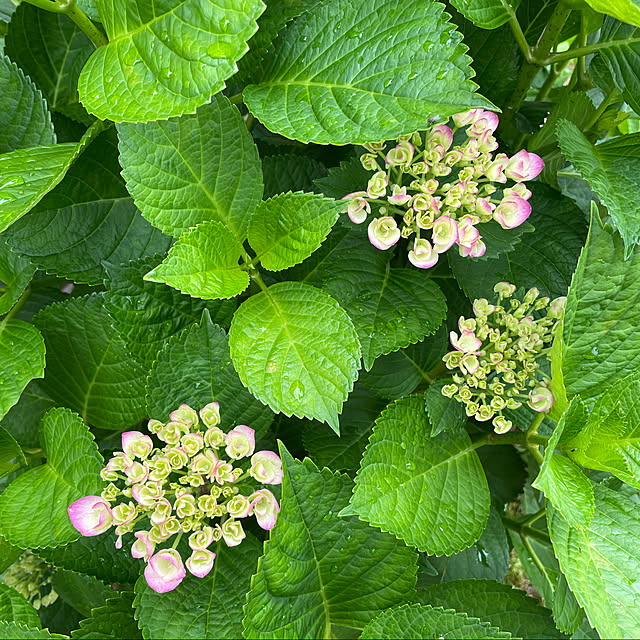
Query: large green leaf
point(16, 631)
point(202, 608)
point(445, 414)
point(424, 621)
point(209, 166)
point(611, 169)
point(33, 508)
point(352, 72)
point(16, 272)
point(80, 591)
point(164, 59)
point(195, 368)
point(624, 10)
point(204, 263)
point(147, 314)
point(88, 367)
point(601, 562)
point(319, 570)
point(296, 350)
point(503, 606)
point(22, 352)
point(11, 455)
point(600, 338)
point(113, 620)
point(89, 218)
point(487, 14)
point(288, 228)
point(291, 172)
point(430, 492)
point(14, 607)
point(24, 117)
point(52, 49)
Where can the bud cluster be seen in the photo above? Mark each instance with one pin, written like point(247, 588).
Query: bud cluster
point(435, 186)
point(157, 493)
point(32, 577)
point(496, 355)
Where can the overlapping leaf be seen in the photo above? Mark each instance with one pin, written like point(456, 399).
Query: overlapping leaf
point(624, 10)
point(165, 59)
point(445, 414)
point(290, 172)
point(488, 14)
point(33, 508)
point(11, 455)
point(114, 619)
point(209, 165)
point(431, 492)
point(14, 607)
point(16, 631)
point(352, 72)
point(342, 573)
point(16, 272)
point(88, 366)
point(296, 350)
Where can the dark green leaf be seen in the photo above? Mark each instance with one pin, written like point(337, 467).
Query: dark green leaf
point(24, 417)
point(291, 172)
point(445, 414)
point(113, 620)
point(16, 272)
point(80, 591)
point(11, 456)
point(15, 631)
point(14, 607)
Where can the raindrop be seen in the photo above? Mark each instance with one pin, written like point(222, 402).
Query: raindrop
point(12, 182)
point(594, 351)
point(413, 76)
point(297, 389)
point(6, 197)
point(388, 83)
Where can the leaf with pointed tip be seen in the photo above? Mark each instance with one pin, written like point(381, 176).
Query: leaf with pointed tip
point(195, 368)
point(33, 508)
point(424, 621)
point(487, 14)
point(88, 366)
point(599, 328)
point(291, 172)
point(225, 187)
point(164, 59)
point(52, 50)
point(296, 350)
point(357, 71)
point(113, 620)
point(23, 418)
point(80, 591)
point(16, 272)
point(288, 228)
point(625, 10)
point(24, 117)
point(22, 352)
point(209, 607)
point(344, 572)
point(204, 263)
point(430, 492)
point(445, 414)
point(147, 314)
point(11, 455)
point(14, 607)
point(601, 561)
point(16, 631)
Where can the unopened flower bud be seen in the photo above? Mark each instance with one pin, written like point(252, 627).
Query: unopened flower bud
point(210, 415)
point(358, 208)
point(238, 506)
point(368, 162)
point(501, 424)
point(232, 532)
point(136, 444)
point(524, 166)
point(265, 508)
point(186, 415)
point(383, 232)
point(185, 506)
point(445, 233)
point(165, 571)
point(504, 289)
point(541, 399)
point(556, 308)
point(240, 442)
point(377, 186)
point(266, 467)
point(401, 155)
point(202, 539)
point(201, 562)
point(512, 212)
point(90, 515)
point(143, 547)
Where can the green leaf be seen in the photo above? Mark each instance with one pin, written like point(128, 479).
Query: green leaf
point(226, 187)
point(16, 272)
point(430, 492)
point(503, 606)
point(89, 218)
point(344, 451)
point(625, 10)
point(24, 117)
point(349, 176)
point(291, 172)
point(195, 368)
point(424, 621)
point(14, 607)
point(24, 417)
point(164, 60)
point(11, 455)
point(566, 611)
point(600, 562)
point(22, 352)
point(505, 471)
point(88, 367)
point(603, 303)
point(354, 73)
point(288, 228)
point(487, 14)
point(296, 350)
point(51, 49)
point(113, 620)
point(33, 508)
point(208, 607)
point(445, 414)
point(400, 308)
point(15, 631)
point(204, 263)
point(80, 591)
point(342, 573)
point(147, 314)
point(561, 480)
point(8, 554)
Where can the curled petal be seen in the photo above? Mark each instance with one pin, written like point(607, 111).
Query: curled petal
point(422, 255)
point(165, 571)
point(266, 467)
point(210, 414)
point(185, 414)
point(466, 117)
point(467, 343)
point(484, 121)
point(240, 441)
point(136, 444)
point(383, 232)
point(143, 547)
point(90, 515)
point(265, 508)
point(524, 166)
point(232, 532)
point(201, 562)
point(441, 135)
point(512, 212)
point(541, 399)
point(445, 233)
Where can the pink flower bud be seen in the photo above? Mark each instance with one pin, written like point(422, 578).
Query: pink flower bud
point(556, 307)
point(146, 494)
point(483, 207)
point(518, 189)
point(136, 444)
point(265, 508)
point(399, 196)
point(470, 149)
point(495, 170)
point(401, 155)
point(468, 235)
point(192, 443)
point(154, 426)
point(422, 255)
point(484, 121)
point(478, 249)
point(205, 462)
point(445, 233)
point(541, 399)
point(383, 232)
point(486, 142)
point(266, 467)
point(505, 289)
point(223, 473)
point(143, 547)
point(512, 212)
point(238, 506)
point(466, 117)
point(214, 437)
point(240, 442)
point(441, 135)
point(232, 532)
point(90, 515)
point(467, 343)
point(201, 562)
point(524, 166)
point(185, 414)
point(210, 414)
point(161, 512)
point(137, 473)
point(357, 208)
point(165, 571)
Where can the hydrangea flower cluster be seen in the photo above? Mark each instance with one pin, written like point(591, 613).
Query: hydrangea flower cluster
point(445, 189)
point(496, 355)
point(32, 577)
point(157, 493)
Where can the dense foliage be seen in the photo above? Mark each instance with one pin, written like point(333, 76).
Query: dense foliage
point(328, 310)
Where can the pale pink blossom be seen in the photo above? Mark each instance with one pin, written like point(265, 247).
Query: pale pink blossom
point(541, 399)
point(383, 232)
point(210, 414)
point(136, 444)
point(143, 547)
point(90, 515)
point(495, 171)
point(422, 255)
point(358, 207)
point(266, 467)
point(512, 212)
point(524, 166)
point(399, 196)
point(185, 414)
point(232, 532)
point(441, 135)
point(484, 121)
point(200, 562)
point(445, 234)
point(265, 508)
point(240, 441)
point(467, 343)
point(165, 571)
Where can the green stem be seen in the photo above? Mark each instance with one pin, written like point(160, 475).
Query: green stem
point(436, 372)
point(525, 530)
point(16, 307)
point(536, 560)
point(518, 34)
point(590, 48)
point(531, 438)
point(602, 107)
point(236, 98)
